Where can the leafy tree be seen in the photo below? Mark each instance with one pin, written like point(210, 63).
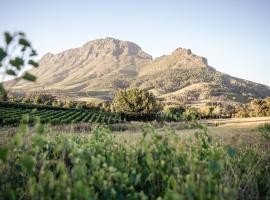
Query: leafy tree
point(69, 104)
point(173, 110)
point(260, 107)
point(191, 114)
point(135, 101)
point(47, 99)
point(26, 100)
point(15, 55)
point(206, 111)
point(57, 103)
point(241, 111)
point(228, 110)
point(37, 99)
point(81, 105)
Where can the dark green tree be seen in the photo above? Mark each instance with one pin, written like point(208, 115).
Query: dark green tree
point(135, 101)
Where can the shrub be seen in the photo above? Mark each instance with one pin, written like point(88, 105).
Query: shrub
point(191, 114)
point(173, 110)
point(69, 104)
point(265, 130)
point(161, 166)
point(135, 101)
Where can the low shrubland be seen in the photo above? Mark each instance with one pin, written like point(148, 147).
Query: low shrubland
point(45, 165)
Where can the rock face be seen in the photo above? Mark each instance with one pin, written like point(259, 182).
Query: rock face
point(100, 67)
point(179, 59)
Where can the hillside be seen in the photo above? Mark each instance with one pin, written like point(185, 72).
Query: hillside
point(100, 67)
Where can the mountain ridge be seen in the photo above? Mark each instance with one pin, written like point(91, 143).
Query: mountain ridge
point(100, 67)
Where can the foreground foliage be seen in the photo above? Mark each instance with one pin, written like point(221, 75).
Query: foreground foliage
point(15, 55)
point(58, 166)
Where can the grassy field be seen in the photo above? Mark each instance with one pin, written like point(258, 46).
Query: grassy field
point(239, 131)
point(227, 130)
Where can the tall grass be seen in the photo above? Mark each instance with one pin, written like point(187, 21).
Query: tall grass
point(162, 166)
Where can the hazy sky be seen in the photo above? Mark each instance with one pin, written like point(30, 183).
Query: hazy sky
point(234, 35)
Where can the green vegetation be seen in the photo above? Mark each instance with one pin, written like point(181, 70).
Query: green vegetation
point(216, 85)
point(15, 55)
point(53, 165)
point(265, 130)
point(256, 108)
point(135, 101)
point(160, 166)
point(11, 114)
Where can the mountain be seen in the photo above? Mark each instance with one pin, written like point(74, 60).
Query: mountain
point(100, 67)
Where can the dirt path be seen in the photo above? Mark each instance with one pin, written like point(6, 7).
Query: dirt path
point(236, 121)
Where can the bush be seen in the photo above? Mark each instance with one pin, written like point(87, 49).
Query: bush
point(260, 107)
point(190, 114)
point(160, 167)
point(241, 111)
point(135, 101)
point(265, 130)
point(69, 104)
point(173, 110)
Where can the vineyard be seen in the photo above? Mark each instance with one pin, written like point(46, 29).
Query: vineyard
point(11, 114)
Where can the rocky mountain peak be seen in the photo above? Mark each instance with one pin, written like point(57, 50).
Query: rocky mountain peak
point(102, 66)
point(114, 47)
point(187, 55)
point(183, 51)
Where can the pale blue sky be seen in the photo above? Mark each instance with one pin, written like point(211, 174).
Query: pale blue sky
point(234, 35)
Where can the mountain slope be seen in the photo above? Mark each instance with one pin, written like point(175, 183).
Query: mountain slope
point(100, 67)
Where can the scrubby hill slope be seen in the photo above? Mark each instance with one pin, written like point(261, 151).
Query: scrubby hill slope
point(100, 67)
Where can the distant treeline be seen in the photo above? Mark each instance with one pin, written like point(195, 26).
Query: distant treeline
point(139, 105)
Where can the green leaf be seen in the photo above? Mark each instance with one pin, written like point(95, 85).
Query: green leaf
point(24, 42)
point(11, 72)
point(2, 89)
point(23, 49)
point(27, 162)
point(231, 151)
point(80, 190)
point(10, 194)
point(18, 140)
point(25, 119)
point(29, 77)
point(17, 62)
point(33, 63)
point(33, 53)
point(8, 37)
point(3, 54)
point(39, 128)
point(3, 154)
point(21, 34)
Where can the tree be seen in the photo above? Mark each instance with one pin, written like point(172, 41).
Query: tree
point(81, 105)
point(206, 111)
point(58, 103)
point(69, 104)
point(241, 111)
point(26, 100)
point(173, 110)
point(135, 101)
point(260, 107)
point(191, 114)
point(15, 55)
point(37, 99)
